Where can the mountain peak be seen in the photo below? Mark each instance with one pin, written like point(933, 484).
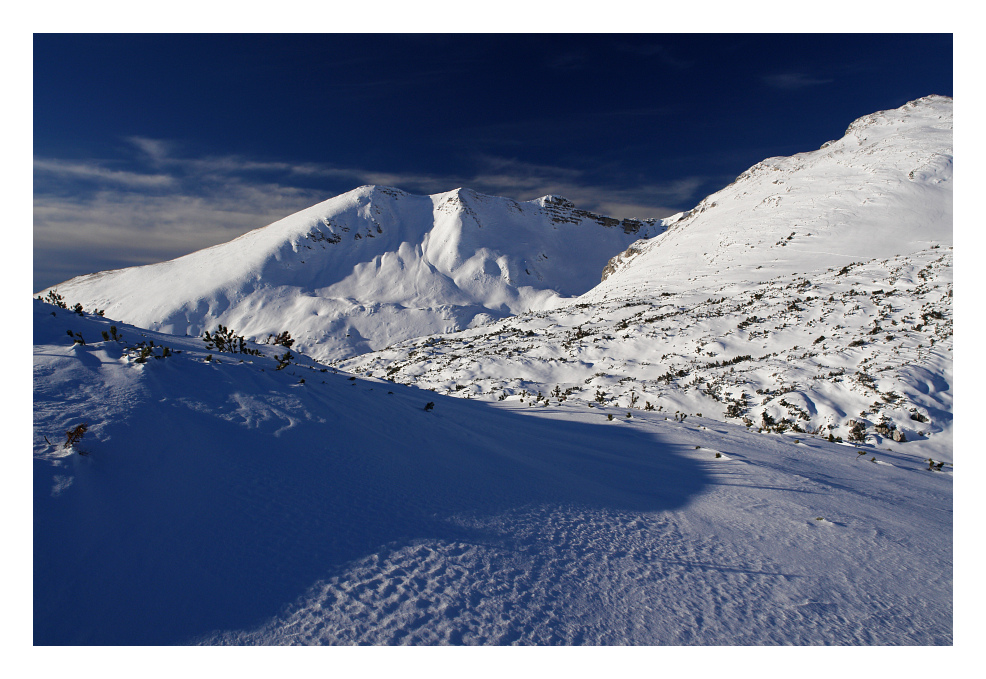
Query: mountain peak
point(933, 108)
point(369, 267)
point(554, 199)
point(883, 189)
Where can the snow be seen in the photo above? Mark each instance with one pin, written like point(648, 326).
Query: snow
point(815, 325)
point(226, 502)
point(650, 461)
point(794, 350)
point(370, 267)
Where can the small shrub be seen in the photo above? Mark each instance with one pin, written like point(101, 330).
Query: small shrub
point(54, 298)
point(226, 340)
point(429, 406)
point(609, 417)
point(284, 339)
point(73, 436)
point(285, 360)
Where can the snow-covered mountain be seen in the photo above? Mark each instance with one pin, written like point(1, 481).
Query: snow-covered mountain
point(883, 189)
point(741, 436)
point(812, 294)
point(371, 267)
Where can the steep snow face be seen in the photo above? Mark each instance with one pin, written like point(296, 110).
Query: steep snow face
point(370, 267)
point(884, 189)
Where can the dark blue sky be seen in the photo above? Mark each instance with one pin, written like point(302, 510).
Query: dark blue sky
point(147, 147)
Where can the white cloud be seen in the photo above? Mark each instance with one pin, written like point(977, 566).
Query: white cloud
point(114, 228)
point(156, 149)
point(525, 181)
point(94, 172)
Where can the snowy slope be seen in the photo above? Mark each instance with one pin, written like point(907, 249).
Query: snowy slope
point(883, 189)
point(871, 346)
point(370, 267)
point(812, 295)
point(226, 501)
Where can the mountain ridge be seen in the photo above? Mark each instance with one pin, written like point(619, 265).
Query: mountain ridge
point(813, 294)
point(372, 266)
point(882, 189)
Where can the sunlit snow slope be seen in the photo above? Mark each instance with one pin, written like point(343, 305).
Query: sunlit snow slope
point(814, 294)
point(743, 435)
point(370, 267)
point(883, 189)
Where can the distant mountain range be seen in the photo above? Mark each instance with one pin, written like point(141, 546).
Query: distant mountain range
point(371, 267)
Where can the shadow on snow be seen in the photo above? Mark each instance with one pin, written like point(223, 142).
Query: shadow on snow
point(184, 520)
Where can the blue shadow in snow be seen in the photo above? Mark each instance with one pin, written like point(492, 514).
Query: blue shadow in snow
point(160, 540)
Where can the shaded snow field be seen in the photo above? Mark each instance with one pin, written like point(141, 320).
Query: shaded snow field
point(228, 502)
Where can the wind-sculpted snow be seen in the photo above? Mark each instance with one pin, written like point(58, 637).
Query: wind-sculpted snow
point(227, 501)
point(371, 267)
point(212, 493)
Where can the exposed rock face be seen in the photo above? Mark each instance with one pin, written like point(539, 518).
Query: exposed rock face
point(563, 210)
